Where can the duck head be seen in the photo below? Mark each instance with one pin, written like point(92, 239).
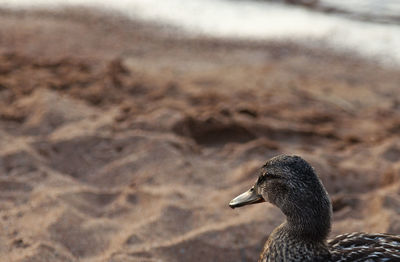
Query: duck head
point(291, 184)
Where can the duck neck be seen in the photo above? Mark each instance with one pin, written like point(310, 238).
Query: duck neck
point(310, 228)
point(312, 222)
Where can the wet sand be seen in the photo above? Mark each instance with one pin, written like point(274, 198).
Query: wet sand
point(123, 141)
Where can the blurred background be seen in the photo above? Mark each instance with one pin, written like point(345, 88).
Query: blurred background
point(126, 127)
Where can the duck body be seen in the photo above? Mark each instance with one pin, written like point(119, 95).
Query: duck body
point(360, 246)
point(281, 246)
point(291, 184)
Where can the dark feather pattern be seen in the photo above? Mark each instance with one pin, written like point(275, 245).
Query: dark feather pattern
point(365, 247)
point(291, 184)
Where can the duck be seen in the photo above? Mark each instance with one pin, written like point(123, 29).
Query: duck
point(292, 185)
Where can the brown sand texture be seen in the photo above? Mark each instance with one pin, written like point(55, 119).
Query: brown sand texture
point(124, 141)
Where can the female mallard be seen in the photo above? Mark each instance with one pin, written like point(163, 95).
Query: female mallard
point(290, 183)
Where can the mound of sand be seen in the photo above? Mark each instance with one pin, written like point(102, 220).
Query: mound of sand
point(122, 142)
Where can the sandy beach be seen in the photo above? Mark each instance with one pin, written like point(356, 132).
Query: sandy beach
point(125, 141)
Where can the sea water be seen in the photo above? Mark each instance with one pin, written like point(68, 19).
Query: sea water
point(367, 27)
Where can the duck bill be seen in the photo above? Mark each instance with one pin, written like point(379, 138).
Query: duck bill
point(247, 198)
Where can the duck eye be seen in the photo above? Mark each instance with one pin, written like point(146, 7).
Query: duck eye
point(266, 176)
point(271, 176)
